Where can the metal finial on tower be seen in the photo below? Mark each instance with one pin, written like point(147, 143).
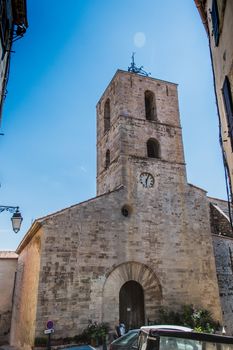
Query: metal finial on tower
point(134, 69)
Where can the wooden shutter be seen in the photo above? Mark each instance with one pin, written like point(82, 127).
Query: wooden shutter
point(215, 21)
point(227, 97)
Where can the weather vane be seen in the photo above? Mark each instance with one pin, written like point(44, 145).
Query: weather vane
point(135, 69)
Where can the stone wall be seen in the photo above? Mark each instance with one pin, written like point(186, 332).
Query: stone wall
point(223, 248)
point(8, 263)
point(85, 246)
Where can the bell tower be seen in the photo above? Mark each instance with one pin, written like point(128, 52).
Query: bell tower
point(139, 135)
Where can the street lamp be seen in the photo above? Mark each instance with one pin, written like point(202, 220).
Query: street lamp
point(16, 217)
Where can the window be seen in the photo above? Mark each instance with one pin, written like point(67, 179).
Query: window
point(126, 210)
point(150, 105)
point(107, 115)
point(227, 98)
point(107, 159)
point(153, 149)
point(215, 21)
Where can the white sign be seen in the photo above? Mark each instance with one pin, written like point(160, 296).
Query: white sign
point(48, 331)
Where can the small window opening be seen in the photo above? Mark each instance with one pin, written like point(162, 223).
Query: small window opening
point(215, 21)
point(153, 149)
point(126, 210)
point(227, 97)
point(107, 159)
point(150, 105)
point(107, 115)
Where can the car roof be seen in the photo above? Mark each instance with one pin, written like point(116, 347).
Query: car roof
point(168, 327)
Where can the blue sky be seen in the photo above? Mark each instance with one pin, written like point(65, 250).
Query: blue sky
point(58, 72)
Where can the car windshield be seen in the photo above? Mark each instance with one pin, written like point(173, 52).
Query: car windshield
point(126, 338)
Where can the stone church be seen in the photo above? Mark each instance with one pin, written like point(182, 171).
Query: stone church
point(147, 240)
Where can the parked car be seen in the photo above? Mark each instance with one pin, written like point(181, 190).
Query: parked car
point(127, 341)
point(145, 332)
point(167, 339)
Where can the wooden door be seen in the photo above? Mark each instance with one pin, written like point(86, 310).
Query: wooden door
point(131, 305)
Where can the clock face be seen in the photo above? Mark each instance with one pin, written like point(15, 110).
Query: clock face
point(147, 180)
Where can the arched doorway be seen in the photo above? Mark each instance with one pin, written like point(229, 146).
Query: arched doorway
point(131, 305)
point(115, 280)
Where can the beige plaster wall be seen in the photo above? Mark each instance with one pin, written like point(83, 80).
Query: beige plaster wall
point(223, 65)
point(25, 296)
point(8, 263)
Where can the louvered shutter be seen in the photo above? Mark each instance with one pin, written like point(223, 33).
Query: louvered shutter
point(227, 97)
point(215, 21)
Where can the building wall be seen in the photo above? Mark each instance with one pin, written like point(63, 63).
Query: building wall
point(25, 296)
point(8, 263)
point(91, 250)
point(222, 55)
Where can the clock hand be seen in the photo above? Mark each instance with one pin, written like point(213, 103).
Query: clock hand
point(147, 179)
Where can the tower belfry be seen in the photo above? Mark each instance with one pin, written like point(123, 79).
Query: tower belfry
point(138, 131)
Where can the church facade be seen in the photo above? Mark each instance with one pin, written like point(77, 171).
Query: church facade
point(148, 240)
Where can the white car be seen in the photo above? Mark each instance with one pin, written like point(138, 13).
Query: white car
point(145, 331)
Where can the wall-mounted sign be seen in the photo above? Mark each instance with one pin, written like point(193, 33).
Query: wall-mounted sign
point(49, 325)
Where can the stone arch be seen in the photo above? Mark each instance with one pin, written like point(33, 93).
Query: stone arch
point(117, 277)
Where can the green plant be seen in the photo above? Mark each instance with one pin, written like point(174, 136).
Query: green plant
point(95, 330)
point(200, 320)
